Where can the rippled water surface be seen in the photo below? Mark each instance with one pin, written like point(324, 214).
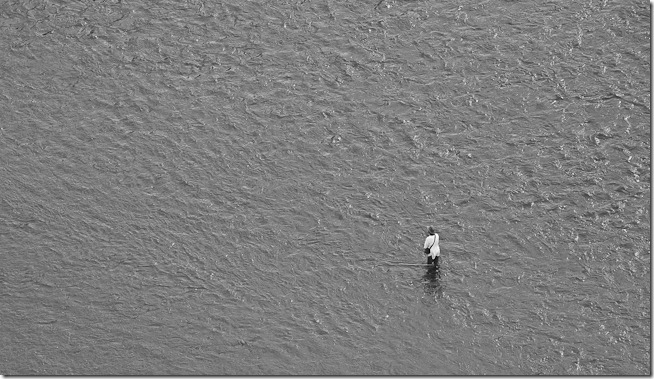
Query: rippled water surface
point(220, 187)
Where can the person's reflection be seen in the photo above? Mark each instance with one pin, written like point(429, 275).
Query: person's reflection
point(432, 282)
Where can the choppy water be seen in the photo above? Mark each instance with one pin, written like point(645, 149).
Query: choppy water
point(212, 188)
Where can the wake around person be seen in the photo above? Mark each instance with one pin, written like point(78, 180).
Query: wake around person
point(432, 250)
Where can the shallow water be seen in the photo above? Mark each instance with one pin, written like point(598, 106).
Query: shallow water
point(196, 188)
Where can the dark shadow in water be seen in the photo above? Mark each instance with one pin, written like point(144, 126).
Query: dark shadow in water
point(432, 282)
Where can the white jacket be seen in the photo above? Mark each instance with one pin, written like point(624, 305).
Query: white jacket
point(432, 241)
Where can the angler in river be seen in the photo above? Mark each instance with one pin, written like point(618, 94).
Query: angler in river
point(431, 247)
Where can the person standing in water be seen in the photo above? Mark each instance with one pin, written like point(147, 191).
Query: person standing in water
point(431, 247)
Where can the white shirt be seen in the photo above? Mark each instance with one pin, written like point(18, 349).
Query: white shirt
point(435, 251)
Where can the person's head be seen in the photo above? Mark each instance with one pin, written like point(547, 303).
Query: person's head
point(431, 231)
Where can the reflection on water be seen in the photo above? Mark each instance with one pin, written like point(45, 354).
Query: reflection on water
point(432, 282)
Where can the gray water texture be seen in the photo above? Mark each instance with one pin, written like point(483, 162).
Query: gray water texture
point(222, 188)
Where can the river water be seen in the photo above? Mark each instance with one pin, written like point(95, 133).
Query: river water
point(221, 188)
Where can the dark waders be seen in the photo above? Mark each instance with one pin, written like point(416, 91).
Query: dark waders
point(434, 261)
